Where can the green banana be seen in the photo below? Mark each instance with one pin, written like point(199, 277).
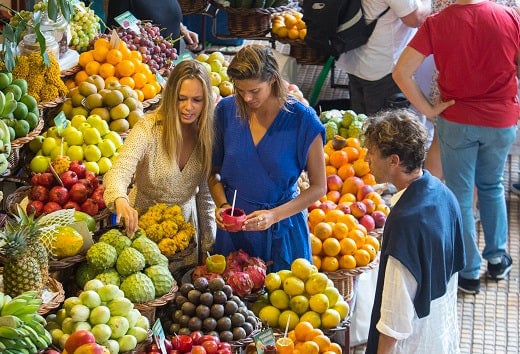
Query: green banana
point(9, 106)
point(27, 309)
point(33, 318)
point(27, 295)
point(34, 339)
point(31, 346)
point(2, 347)
point(13, 306)
point(10, 321)
point(10, 333)
point(9, 343)
point(2, 101)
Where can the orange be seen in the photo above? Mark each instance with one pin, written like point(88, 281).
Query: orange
point(323, 341)
point(338, 158)
point(293, 33)
point(114, 56)
point(330, 264)
point(352, 152)
point(301, 330)
point(346, 171)
point(330, 170)
point(315, 216)
point(106, 70)
point(300, 25)
point(334, 347)
point(85, 58)
point(373, 241)
point(100, 54)
point(310, 347)
point(92, 68)
point(349, 220)
point(284, 346)
point(149, 91)
point(362, 228)
point(303, 33)
point(297, 14)
point(348, 246)
point(135, 54)
point(80, 77)
point(127, 80)
point(158, 87)
point(290, 20)
point(371, 250)
point(361, 167)
point(140, 95)
point(322, 230)
point(313, 334)
point(125, 68)
point(362, 257)
point(331, 247)
point(316, 260)
point(369, 179)
point(326, 157)
point(139, 79)
point(347, 261)
point(340, 231)
point(333, 215)
point(110, 79)
point(101, 42)
point(291, 335)
point(283, 32)
point(316, 245)
point(125, 51)
point(354, 142)
point(358, 236)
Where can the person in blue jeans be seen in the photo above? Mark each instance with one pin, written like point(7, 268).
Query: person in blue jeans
point(478, 113)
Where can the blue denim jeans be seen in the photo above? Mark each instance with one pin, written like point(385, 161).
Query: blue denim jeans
point(476, 156)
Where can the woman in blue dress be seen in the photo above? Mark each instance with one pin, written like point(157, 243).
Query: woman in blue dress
point(264, 139)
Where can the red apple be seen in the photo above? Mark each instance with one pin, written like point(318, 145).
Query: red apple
point(328, 205)
point(79, 193)
point(363, 191)
point(344, 207)
point(35, 207)
point(334, 183)
point(39, 193)
point(59, 194)
point(379, 218)
point(89, 348)
point(90, 207)
point(79, 168)
point(69, 178)
point(368, 222)
point(77, 339)
point(50, 207)
point(369, 203)
point(358, 209)
point(91, 176)
point(152, 347)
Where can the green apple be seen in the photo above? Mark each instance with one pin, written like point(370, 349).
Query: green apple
point(59, 150)
point(215, 78)
point(77, 120)
point(92, 153)
point(226, 88)
point(104, 164)
point(223, 74)
point(115, 138)
point(107, 147)
point(92, 166)
point(75, 153)
point(101, 125)
point(218, 56)
point(72, 135)
point(39, 164)
point(53, 132)
point(48, 144)
point(207, 66)
point(203, 57)
point(216, 65)
point(91, 136)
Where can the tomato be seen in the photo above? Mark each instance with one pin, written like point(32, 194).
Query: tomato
point(195, 336)
point(211, 346)
point(184, 343)
point(209, 337)
point(198, 349)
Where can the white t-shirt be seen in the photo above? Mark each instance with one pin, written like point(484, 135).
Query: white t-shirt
point(378, 57)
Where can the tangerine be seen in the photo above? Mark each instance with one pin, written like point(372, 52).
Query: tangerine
point(346, 171)
point(362, 257)
point(106, 70)
point(85, 58)
point(323, 341)
point(358, 236)
point(92, 67)
point(348, 246)
point(338, 158)
point(371, 250)
point(293, 33)
point(309, 347)
point(125, 68)
point(369, 179)
point(301, 330)
point(340, 231)
point(289, 20)
point(335, 348)
point(352, 184)
point(362, 228)
point(326, 157)
point(352, 152)
point(139, 79)
point(80, 77)
point(316, 216)
point(140, 95)
point(149, 91)
point(361, 167)
point(114, 56)
point(303, 33)
point(349, 220)
point(313, 334)
point(331, 247)
point(101, 42)
point(316, 260)
point(347, 198)
point(127, 80)
point(347, 261)
point(373, 241)
point(316, 245)
point(330, 170)
point(322, 230)
point(354, 142)
point(330, 264)
point(333, 215)
point(100, 54)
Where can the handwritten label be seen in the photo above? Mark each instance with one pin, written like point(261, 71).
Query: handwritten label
point(128, 20)
point(60, 121)
point(263, 339)
point(158, 333)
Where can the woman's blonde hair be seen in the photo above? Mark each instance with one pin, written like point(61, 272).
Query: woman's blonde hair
point(256, 62)
point(168, 112)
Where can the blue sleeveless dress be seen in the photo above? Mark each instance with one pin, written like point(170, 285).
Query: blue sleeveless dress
point(265, 176)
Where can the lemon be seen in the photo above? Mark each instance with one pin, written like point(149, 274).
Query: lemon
point(272, 282)
point(288, 316)
point(312, 317)
point(316, 283)
point(302, 268)
point(299, 304)
point(269, 315)
point(319, 303)
point(279, 299)
point(330, 319)
point(293, 286)
point(342, 308)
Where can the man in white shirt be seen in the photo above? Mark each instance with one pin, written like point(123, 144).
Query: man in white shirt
point(370, 66)
point(415, 305)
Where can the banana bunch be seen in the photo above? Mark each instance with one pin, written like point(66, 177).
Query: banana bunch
point(5, 144)
point(22, 329)
point(7, 103)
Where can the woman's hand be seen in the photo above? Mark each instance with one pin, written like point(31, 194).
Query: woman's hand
point(218, 217)
point(127, 214)
point(190, 38)
point(259, 220)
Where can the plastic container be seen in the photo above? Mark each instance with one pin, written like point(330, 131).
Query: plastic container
point(30, 45)
point(60, 29)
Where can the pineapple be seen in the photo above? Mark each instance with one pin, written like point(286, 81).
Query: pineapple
point(21, 269)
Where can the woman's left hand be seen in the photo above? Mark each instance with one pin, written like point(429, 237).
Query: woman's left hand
point(259, 220)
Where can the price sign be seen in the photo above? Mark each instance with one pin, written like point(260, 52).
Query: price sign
point(264, 339)
point(128, 20)
point(60, 121)
point(158, 333)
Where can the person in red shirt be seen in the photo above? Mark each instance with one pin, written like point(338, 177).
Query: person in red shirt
point(475, 45)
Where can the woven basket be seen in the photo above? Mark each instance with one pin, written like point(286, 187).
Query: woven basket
point(69, 72)
point(51, 104)
point(189, 7)
point(255, 22)
point(147, 309)
point(306, 55)
point(64, 263)
point(150, 103)
point(59, 296)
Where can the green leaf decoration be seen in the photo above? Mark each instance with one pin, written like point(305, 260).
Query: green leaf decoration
point(53, 9)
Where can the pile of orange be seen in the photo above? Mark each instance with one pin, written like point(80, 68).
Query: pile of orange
point(310, 340)
point(339, 241)
point(118, 64)
point(289, 24)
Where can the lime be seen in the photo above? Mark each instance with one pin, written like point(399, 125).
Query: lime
point(22, 84)
point(29, 101)
point(16, 90)
point(21, 128)
point(36, 143)
point(32, 119)
point(12, 133)
point(4, 81)
point(20, 112)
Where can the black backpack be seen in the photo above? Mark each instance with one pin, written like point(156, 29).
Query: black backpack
point(336, 26)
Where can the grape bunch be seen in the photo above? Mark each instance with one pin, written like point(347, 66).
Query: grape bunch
point(84, 26)
point(22, 16)
point(158, 52)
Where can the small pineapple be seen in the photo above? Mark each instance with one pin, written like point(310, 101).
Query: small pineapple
point(21, 270)
point(61, 164)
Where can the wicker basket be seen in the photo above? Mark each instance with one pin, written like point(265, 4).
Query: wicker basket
point(51, 104)
point(70, 72)
point(16, 155)
point(255, 22)
point(189, 7)
point(55, 287)
point(147, 309)
point(306, 55)
point(151, 102)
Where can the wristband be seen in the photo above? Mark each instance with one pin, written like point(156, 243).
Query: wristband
point(221, 205)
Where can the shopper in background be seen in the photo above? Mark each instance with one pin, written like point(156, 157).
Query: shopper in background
point(167, 156)
point(165, 14)
point(264, 139)
point(478, 113)
point(370, 66)
point(415, 306)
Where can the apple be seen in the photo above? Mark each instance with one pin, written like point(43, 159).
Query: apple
point(314, 205)
point(333, 196)
point(35, 179)
point(209, 337)
point(363, 191)
point(225, 346)
point(89, 348)
point(78, 167)
point(59, 194)
point(358, 209)
point(379, 218)
point(51, 351)
point(39, 163)
point(334, 183)
point(77, 339)
point(369, 203)
point(351, 185)
point(368, 222)
point(344, 207)
point(226, 88)
point(69, 178)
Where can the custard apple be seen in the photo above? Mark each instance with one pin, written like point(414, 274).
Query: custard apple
point(148, 249)
point(161, 277)
point(109, 276)
point(101, 256)
point(85, 273)
point(138, 288)
point(116, 239)
point(160, 260)
point(130, 261)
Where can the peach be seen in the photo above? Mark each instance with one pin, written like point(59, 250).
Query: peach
point(334, 183)
point(351, 185)
point(363, 191)
point(358, 209)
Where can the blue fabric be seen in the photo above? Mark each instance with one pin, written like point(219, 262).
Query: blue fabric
point(265, 176)
point(423, 232)
point(476, 156)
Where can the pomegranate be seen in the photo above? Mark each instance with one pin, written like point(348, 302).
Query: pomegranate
point(39, 193)
point(87, 184)
point(59, 194)
point(69, 178)
point(79, 193)
point(91, 176)
point(98, 197)
point(90, 207)
point(79, 168)
point(35, 207)
point(35, 179)
point(51, 207)
point(47, 180)
point(72, 205)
